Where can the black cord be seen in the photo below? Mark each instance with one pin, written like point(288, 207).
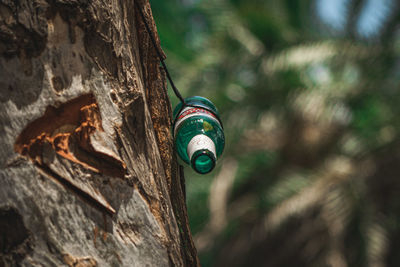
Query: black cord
point(176, 91)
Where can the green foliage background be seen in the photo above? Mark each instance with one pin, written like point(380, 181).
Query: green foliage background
point(310, 173)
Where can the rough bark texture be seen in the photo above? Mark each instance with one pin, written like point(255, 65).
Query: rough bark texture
point(88, 173)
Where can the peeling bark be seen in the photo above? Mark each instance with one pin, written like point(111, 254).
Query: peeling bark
point(89, 176)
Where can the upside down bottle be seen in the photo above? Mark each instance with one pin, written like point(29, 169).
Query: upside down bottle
point(198, 133)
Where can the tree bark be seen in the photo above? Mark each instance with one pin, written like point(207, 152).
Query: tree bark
point(89, 176)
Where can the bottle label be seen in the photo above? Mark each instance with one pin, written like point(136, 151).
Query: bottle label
point(200, 141)
point(189, 112)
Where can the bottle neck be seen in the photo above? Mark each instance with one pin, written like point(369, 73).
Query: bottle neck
point(201, 152)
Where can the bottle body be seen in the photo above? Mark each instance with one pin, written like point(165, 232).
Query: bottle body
point(198, 134)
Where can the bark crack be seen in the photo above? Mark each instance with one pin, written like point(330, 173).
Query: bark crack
point(74, 132)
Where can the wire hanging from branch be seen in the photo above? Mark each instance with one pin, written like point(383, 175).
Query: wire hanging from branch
point(149, 31)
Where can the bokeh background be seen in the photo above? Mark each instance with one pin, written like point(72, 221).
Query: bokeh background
point(310, 99)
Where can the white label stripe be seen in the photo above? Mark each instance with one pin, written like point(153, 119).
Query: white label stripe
point(198, 142)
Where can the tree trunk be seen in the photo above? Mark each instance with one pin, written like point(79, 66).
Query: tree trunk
point(88, 176)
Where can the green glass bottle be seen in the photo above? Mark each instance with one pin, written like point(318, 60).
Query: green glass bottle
point(198, 133)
